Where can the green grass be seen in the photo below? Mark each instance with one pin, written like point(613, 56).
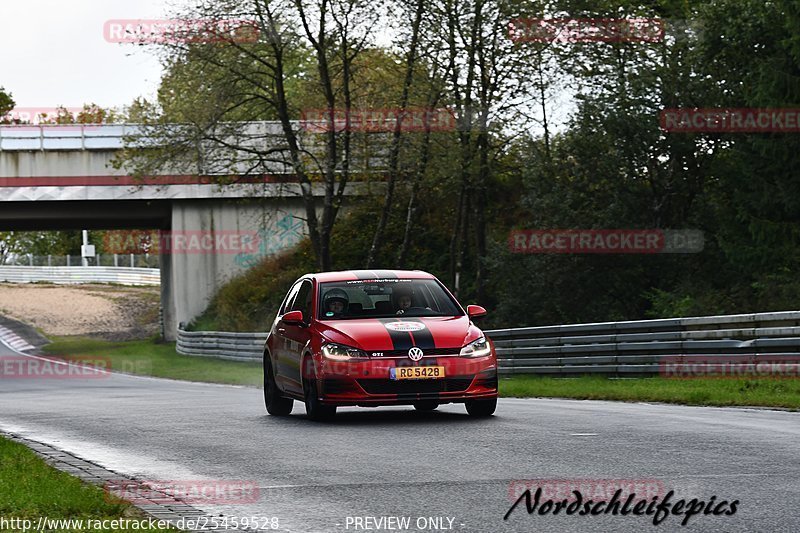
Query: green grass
point(763, 392)
point(30, 488)
point(151, 358)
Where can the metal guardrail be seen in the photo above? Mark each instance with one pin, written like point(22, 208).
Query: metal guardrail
point(646, 346)
point(222, 345)
point(613, 348)
point(80, 274)
point(107, 260)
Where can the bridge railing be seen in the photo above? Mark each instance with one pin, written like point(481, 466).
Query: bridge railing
point(66, 136)
point(642, 347)
point(369, 150)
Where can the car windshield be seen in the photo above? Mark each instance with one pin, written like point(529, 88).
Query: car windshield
point(344, 300)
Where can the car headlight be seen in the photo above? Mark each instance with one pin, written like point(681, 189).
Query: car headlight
point(478, 348)
point(340, 352)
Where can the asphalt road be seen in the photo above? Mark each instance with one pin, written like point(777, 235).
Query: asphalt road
point(397, 462)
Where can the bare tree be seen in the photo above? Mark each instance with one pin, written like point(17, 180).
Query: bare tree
point(257, 80)
point(418, 9)
point(487, 77)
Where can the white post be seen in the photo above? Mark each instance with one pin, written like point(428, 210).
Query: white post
point(116, 260)
point(84, 259)
point(49, 260)
point(131, 260)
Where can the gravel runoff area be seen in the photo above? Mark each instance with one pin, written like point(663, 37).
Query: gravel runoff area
point(109, 312)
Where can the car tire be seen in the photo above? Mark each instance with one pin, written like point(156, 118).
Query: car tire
point(276, 404)
point(315, 410)
point(428, 405)
point(481, 408)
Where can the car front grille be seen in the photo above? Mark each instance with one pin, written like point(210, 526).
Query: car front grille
point(415, 386)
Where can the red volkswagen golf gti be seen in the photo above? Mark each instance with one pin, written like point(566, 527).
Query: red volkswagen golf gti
point(377, 337)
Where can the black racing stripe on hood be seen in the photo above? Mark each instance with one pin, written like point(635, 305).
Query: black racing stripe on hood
point(401, 340)
point(422, 338)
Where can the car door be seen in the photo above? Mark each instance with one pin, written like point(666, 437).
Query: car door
point(298, 335)
point(279, 343)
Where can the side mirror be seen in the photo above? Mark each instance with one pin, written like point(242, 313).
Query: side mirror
point(294, 318)
point(476, 311)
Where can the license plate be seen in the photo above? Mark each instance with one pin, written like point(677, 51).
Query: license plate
point(416, 372)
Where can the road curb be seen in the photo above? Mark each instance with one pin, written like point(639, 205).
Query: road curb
point(172, 511)
point(20, 336)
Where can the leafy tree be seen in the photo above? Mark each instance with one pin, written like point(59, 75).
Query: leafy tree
point(6, 103)
point(39, 243)
point(753, 51)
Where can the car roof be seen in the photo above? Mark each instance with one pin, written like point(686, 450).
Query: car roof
point(351, 275)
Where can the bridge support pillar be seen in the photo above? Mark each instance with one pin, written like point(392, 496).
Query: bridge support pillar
point(169, 326)
point(190, 279)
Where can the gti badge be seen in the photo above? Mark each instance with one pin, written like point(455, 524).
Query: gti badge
point(415, 354)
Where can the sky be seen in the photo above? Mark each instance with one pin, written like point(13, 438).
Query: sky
point(53, 52)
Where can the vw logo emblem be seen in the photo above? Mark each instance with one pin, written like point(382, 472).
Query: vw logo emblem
point(415, 354)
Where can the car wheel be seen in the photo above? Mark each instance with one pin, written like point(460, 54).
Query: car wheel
point(276, 404)
point(314, 408)
point(481, 408)
point(429, 405)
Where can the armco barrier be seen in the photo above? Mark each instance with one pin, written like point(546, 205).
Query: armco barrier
point(615, 348)
point(78, 274)
point(223, 345)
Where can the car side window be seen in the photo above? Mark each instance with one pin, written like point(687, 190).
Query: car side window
point(303, 301)
point(290, 297)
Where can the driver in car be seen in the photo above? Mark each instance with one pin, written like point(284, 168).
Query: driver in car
point(402, 298)
point(336, 302)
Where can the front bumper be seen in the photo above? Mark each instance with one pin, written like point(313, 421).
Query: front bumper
point(367, 382)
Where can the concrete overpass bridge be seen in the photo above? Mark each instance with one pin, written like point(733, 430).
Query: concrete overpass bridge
point(61, 178)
